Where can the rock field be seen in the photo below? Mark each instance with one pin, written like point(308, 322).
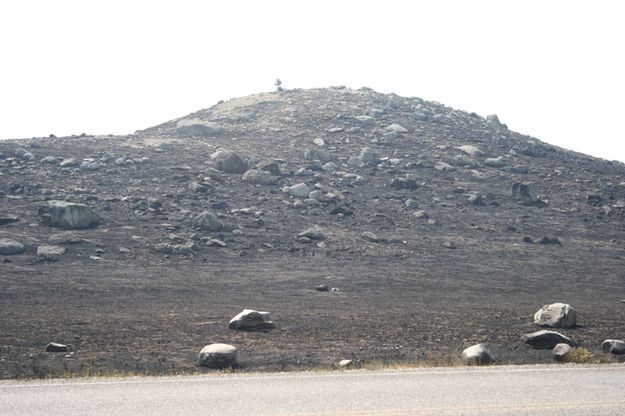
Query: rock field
point(373, 227)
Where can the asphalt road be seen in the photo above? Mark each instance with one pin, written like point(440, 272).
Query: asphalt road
point(520, 390)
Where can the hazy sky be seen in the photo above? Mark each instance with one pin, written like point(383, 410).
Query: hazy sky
point(551, 69)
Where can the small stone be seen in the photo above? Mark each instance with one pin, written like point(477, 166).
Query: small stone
point(56, 347)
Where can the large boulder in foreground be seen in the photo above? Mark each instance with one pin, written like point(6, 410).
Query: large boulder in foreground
point(478, 354)
point(68, 215)
point(546, 340)
point(251, 320)
point(556, 315)
point(613, 346)
point(9, 247)
point(197, 127)
point(230, 162)
point(218, 356)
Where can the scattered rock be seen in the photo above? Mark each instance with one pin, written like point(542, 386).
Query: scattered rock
point(259, 177)
point(314, 233)
point(546, 340)
point(65, 237)
point(299, 190)
point(197, 127)
point(251, 320)
point(318, 154)
point(50, 253)
point(68, 163)
point(495, 162)
point(369, 236)
point(493, 121)
point(396, 128)
point(478, 354)
point(208, 221)
point(613, 346)
point(9, 247)
point(471, 150)
point(365, 120)
point(230, 162)
point(56, 347)
point(560, 351)
point(556, 315)
point(8, 219)
point(68, 215)
point(444, 167)
point(217, 356)
point(524, 192)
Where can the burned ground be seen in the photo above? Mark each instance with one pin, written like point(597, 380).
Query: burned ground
point(127, 298)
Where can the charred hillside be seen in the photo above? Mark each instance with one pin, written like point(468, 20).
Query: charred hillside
point(438, 228)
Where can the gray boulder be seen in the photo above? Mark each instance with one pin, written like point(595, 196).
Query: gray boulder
point(197, 127)
point(314, 233)
point(369, 156)
point(478, 354)
point(9, 247)
point(208, 221)
point(252, 320)
point(318, 154)
point(299, 190)
point(259, 177)
point(556, 315)
point(50, 253)
point(218, 356)
point(444, 167)
point(230, 162)
point(396, 128)
point(613, 346)
point(493, 121)
point(471, 150)
point(68, 215)
point(546, 340)
point(495, 162)
point(524, 192)
point(560, 351)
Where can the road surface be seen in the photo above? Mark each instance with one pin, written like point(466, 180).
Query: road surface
point(518, 390)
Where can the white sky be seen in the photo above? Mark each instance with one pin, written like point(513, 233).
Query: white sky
point(551, 69)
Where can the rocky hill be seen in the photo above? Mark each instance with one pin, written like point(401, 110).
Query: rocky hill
point(432, 229)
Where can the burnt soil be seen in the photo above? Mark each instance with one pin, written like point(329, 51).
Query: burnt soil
point(407, 297)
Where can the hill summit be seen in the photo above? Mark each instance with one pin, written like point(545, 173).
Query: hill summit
point(426, 228)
